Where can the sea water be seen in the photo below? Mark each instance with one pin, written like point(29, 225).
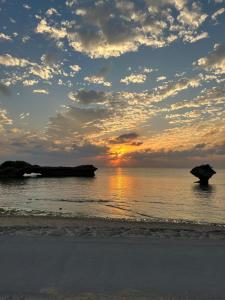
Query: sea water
point(126, 193)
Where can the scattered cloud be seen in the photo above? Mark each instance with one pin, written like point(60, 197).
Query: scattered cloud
point(217, 13)
point(26, 6)
point(161, 78)
point(75, 68)
point(52, 11)
point(134, 78)
point(193, 18)
point(125, 138)
point(179, 115)
point(10, 61)
point(193, 38)
point(215, 61)
point(97, 80)
point(56, 33)
point(44, 72)
point(25, 38)
point(209, 98)
point(87, 96)
point(5, 37)
point(41, 91)
point(112, 28)
point(170, 89)
point(4, 118)
point(24, 115)
point(30, 82)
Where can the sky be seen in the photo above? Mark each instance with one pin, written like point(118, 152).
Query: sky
point(135, 83)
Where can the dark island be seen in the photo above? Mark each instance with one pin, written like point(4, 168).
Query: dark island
point(17, 169)
point(204, 173)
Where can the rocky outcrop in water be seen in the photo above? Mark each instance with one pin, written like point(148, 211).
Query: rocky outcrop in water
point(17, 169)
point(204, 173)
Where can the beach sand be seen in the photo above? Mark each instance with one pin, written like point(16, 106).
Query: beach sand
point(91, 258)
point(100, 227)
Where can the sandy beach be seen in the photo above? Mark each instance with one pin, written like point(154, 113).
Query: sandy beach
point(60, 258)
point(106, 228)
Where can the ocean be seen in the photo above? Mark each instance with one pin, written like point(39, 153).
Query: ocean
point(126, 193)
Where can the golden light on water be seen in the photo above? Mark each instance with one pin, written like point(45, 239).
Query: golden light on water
point(122, 184)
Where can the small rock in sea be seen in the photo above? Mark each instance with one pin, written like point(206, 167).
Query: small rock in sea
point(204, 173)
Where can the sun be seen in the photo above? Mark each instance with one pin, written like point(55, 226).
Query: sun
point(118, 155)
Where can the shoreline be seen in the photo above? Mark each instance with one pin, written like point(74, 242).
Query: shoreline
point(106, 228)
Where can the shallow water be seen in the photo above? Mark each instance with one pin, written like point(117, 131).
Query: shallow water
point(167, 194)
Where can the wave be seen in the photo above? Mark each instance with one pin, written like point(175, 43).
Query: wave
point(132, 211)
point(72, 201)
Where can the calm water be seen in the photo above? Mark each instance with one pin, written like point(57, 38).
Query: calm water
point(121, 193)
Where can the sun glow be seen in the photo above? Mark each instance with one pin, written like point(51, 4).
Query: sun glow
point(118, 155)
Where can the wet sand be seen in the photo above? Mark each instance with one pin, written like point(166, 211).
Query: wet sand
point(56, 258)
point(105, 228)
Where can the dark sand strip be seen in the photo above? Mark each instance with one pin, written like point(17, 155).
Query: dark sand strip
point(105, 228)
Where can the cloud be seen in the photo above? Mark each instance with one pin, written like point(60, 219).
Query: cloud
point(87, 96)
point(26, 6)
point(217, 13)
point(10, 61)
point(4, 118)
point(157, 4)
point(44, 72)
point(30, 82)
point(215, 61)
point(171, 89)
point(90, 150)
point(5, 37)
point(47, 147)
point(167, 158)
point(25, 38)
point(192, 38)
point(127, 110)
point(161, 78)
point(75, 68)
point(193, 18)
point(134, 78)
point(208, 107)
point(112, 28)
point(96, 79)
point(52, 11)
point(24, 115)
point(126, 138)
point(76, 125)
point(48, 59)
point(209, 98)
point(41, 91)
point(182, 147)
point(4, 89)
point(218, 148)
point(56, 33)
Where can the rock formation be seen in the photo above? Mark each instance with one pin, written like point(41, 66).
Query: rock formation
point(203, 172)
point(17, 169)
